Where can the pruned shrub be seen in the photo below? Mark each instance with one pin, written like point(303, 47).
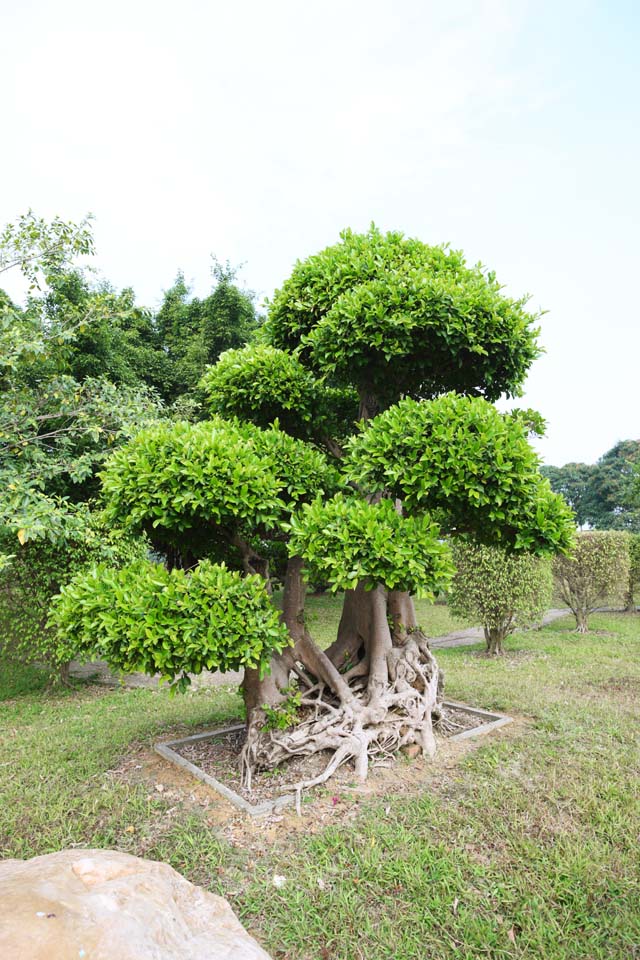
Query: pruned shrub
point(35, 571)
point(352, 541)
point(594, 574)
point(498, 589)
point(146, 618)
point(260, 384)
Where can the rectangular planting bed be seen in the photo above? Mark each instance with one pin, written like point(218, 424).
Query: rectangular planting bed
point(195, 755)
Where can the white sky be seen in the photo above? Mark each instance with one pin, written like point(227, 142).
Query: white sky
point(258, 130)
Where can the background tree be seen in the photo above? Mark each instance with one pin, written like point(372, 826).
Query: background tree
point(572, 481)
point(612, 501)
point(501, 590)
point(118, 342)
point(594, 574)
point(389, 318)
point(195, 332)
point(36, 572)
point(602, 495)
point(55, 429)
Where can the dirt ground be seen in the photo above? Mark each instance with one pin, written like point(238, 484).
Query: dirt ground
point(334, 803)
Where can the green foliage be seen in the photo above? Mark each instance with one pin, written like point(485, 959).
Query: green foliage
point(634, 557)
point(605, 494)
point(348, 541)
point(54, 437)
point(572, 483)
point(286, 714)
point(534, 422)
point(146, 618)
point(177, 476)
point(114, 339)
point(39, 568)
point(40, 249)
point(634, 569)
point(395, 316)
point(301, 471)
point(498, 589)
point(595, 573)
point(613, 501)
point(183, 483)
point(195, 332)
point(466, 463)
point(261, 384)
point(54, 430)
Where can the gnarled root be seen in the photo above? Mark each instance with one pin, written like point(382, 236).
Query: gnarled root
point(369, 726)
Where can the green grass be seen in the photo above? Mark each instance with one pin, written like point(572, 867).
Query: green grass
point(527, 849)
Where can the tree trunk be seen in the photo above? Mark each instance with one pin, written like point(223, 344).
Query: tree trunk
point(582, 623)
point(629, 601)
point(376, 689)
point(369, 405)
point(61, 676)
point(494, 637)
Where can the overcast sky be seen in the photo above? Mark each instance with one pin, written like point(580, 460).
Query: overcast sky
point(258, 130)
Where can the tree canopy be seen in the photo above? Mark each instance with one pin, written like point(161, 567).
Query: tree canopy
point(54, 428)
point(393, 317)
point(194, 332)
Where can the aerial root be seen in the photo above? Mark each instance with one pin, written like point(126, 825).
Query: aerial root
point(369, 728)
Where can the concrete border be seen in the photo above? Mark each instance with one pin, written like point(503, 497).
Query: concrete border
point(253, 809)
point(494, 720)
point(167, 751)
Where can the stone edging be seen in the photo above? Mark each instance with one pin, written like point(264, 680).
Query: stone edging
point(167, 751)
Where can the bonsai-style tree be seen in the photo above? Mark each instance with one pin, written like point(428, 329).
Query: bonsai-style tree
point(502, 590)
point(594, 574)
point(383, 358)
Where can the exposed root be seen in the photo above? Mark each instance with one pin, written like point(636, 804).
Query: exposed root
point(371, 727)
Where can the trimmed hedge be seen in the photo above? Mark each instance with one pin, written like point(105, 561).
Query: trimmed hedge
point(146, 618)
point(595, 574)
point(500, 590)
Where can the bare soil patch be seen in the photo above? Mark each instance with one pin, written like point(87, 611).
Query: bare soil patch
point(336, 803)
point(218, 756)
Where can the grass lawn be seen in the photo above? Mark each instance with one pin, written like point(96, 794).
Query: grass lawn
point(323, 613)
point(528, 848)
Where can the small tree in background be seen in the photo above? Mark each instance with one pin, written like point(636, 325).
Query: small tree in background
point(595, 574)
point(634, 572)
point(500, 590)
point(194, 332)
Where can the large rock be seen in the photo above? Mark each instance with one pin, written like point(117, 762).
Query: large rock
point(105, 905)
